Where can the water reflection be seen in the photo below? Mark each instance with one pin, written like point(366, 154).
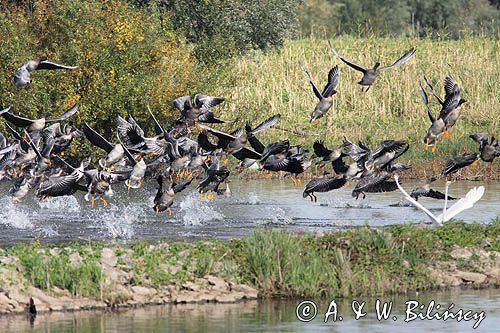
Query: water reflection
point(265, 316)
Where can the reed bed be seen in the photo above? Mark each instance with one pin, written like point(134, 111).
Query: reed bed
point(266, 83)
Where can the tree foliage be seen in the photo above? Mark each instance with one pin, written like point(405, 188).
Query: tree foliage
point(228, 27)
point(400, 17)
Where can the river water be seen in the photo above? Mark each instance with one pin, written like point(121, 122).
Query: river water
point(269, 316)
point(253, 203)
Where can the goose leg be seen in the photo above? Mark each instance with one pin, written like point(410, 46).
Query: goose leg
point(104, 202)
point(433, 149)
point(21, 169)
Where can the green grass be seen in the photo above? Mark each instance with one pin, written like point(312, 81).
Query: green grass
point(44, 271)
point(356, 262)
point(268, 83)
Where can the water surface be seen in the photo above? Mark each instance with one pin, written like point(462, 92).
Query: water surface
point(253, 203)
point(266, 316)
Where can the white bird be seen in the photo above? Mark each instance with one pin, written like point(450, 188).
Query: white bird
point(467, 202)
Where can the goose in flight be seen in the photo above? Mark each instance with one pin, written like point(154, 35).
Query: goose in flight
point(326, 96)
point(370, 74)
point(36, 125)
point(22, 74)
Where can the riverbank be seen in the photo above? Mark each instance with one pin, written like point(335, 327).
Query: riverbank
point(356, 262)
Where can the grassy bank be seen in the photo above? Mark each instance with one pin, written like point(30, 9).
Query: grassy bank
point(356, 262)
point(272, 82)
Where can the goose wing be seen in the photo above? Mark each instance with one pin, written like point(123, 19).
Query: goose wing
point(439, 99)
point(247, 153)
point(70, 112)
point(96, 139)
point(17, 121)
point(46, 64)
point(269, 122)
point(325, 184)
point(206, 102)
point(131, 132)
point(347, 62)
point(333, 81)
point(401, 60)
point(450, 86)
point(181, 103)
point(426, 102)
point(320, 149)
point(315, 89)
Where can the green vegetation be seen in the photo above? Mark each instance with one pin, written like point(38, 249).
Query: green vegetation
point(450, 19)
point(46, 270)
point(361, 261)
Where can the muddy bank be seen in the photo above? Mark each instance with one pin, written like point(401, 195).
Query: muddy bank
point(364, 261)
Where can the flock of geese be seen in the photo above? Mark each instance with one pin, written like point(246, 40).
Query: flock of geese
point(33, 158)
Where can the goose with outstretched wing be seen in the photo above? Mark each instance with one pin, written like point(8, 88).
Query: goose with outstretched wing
point(22, 76)
point(325, 97)
point(370, 74)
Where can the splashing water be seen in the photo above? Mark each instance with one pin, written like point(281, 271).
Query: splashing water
point(14, 216)
point(196, 212)
point(67, 204)
point(118, 222)
point(48, 231)
point(278, 215)
point(253, 198)
point(343, 203)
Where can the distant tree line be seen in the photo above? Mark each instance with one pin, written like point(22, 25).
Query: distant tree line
point(424, 18)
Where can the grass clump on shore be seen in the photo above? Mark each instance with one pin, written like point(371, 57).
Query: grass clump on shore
point(45, 269)
point(356, 262)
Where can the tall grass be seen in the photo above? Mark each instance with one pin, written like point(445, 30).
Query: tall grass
point(273, 82)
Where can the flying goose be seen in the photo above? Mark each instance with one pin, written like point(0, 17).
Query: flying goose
point(36, 125)
point(326, 96)
point(22, 74)
point(370, 74)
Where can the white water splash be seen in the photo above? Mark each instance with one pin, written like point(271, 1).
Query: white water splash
point(48, 231)
point(196, 212)
point(67, 204)
point(343, 203)
point(14, 216)
point(253, 198)
point(118, 222)
point(278, 215)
